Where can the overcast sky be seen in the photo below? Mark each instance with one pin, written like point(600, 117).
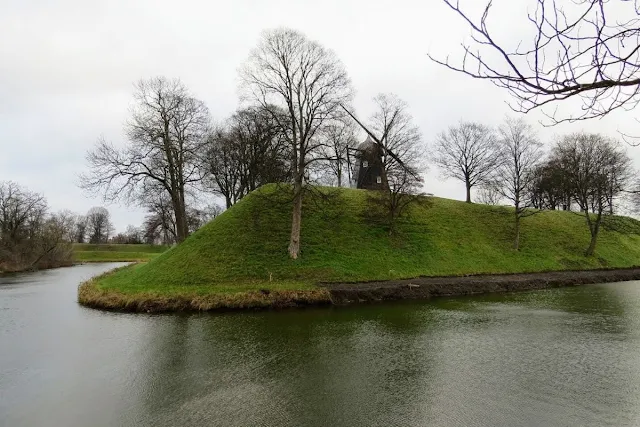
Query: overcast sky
point(67, 69)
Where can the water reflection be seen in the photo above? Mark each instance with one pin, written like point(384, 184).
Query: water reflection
point(557, 357)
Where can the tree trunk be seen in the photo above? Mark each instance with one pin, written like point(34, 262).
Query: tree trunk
point(592, 245)
point(180, 214)
point(595, 228)
point(468, 185)
point(516, 241)
point(296, 222)
point(180, 225)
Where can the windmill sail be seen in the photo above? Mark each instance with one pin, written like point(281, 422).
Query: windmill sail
point(385, 150)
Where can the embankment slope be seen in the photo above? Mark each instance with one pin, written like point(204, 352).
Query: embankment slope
point(240, 258)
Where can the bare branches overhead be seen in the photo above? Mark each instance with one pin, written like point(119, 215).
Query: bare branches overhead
point(586, 49)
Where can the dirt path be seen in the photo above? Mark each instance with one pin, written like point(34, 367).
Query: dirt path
point(429, 287)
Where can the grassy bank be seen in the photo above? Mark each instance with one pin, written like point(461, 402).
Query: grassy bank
point(241, 256)
point(86, 252)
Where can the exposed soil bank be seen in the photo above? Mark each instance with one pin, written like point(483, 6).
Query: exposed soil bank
point(91, 295)
point(430, 287)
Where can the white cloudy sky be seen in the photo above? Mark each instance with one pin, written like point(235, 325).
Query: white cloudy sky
point(67, 68)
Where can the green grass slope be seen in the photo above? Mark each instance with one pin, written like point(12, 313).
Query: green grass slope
point(87, 252)
point(245, 248)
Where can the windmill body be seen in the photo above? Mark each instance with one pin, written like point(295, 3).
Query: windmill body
point(369, 166)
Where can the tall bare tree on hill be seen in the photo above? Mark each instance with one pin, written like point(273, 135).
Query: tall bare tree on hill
point(587, 50)
point(340, 137)
point(249, 151)
point(520, 153)
point(467, 152)
point(166, 134)
point(401, 136)
point(596, 171)
point(399, 143)
point(309, 83)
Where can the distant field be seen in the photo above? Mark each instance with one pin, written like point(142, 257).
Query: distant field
point(86, 252)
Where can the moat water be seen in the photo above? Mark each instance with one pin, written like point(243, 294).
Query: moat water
point(561, 357)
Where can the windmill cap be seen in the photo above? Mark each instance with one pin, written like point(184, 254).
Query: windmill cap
point(368, 143)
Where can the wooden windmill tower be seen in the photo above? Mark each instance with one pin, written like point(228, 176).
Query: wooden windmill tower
point(369, 171)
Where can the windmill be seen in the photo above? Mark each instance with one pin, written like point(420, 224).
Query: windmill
point(371, 156)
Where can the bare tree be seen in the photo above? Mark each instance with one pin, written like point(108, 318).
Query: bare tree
point(99, 224)
point(223, 163)
point(166, 134)
point(393, 202)
point(467, 152)
point(199, 217)
point(134, 235)
point(159, 224)
point(489, 195)
point(520, 153)
point(549, 188)
point(340, 136)
point(309, 83)
point(400, 143)
point(596, 170)
point(29, 236)
point(65, 223)
point(402, 137)
point(587, 49)
point(155, 231)
point(80, 233)
point(21, 212)
point(249, 152)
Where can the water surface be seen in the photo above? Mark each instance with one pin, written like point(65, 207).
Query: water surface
point(562, 357)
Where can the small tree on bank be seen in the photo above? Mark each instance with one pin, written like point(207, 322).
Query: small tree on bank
point(309, 83)
point(31, 237)
point(467, 152)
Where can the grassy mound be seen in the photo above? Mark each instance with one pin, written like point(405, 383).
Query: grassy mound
point(87, 252)
point(244, 250)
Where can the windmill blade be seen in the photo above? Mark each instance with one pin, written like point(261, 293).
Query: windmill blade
point(376, 140)
point(408, 169)
point(386, 151)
